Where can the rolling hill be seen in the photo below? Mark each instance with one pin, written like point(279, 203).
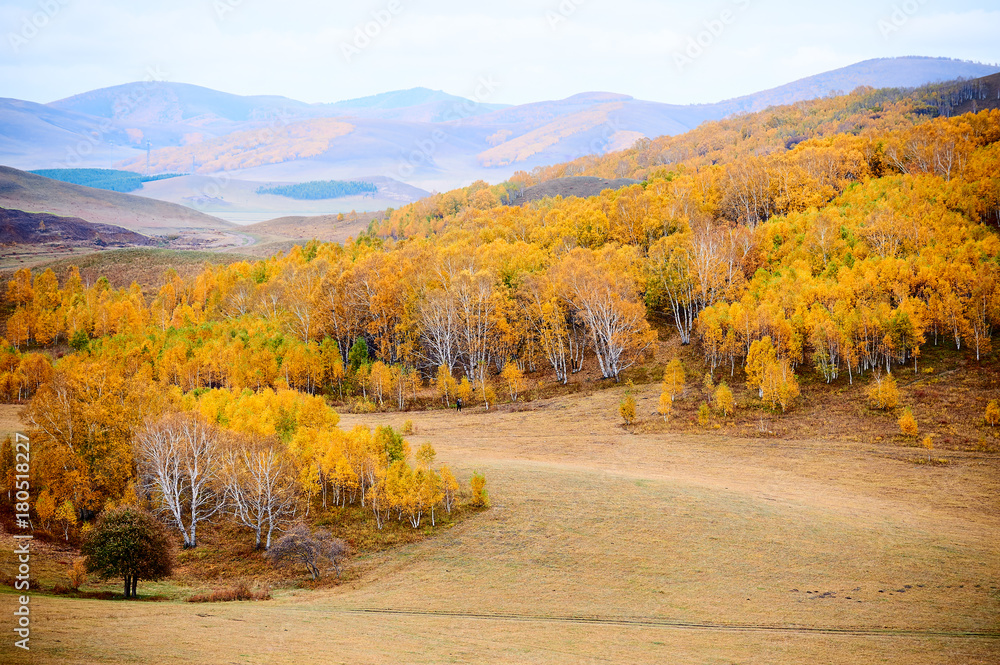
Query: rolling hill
point(239, 201)
point(423, 137)
point(34, 193)
point(580, 186)
point(19, 227)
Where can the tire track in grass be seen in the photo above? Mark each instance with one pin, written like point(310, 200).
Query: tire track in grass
point(652, 622)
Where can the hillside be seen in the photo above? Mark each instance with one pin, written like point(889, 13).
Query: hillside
point(623, 546)
point(17, 227)
point(36, 136)
point(33, 193)
point(28, 239)
point(325, 228)
point(905, 72)
point(863, 112)
point(423, 137)
point(966, 96)
point(582, 186)
point(238, 200)
point(414, 105)
point(785, 331)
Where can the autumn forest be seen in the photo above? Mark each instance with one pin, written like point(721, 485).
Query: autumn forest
point(835, 240)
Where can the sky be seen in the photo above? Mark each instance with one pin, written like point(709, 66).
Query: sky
point(510, 52)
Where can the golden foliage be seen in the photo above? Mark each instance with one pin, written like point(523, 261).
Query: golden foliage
point(724, 399)
point(673, 379)
point(992, 415)
point(627, 406)
point(704, 414)
point(908, 424)
point(272, 144)
point(883, 393)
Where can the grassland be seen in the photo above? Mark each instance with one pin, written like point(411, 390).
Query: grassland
point(607, 545)
point(146, 267)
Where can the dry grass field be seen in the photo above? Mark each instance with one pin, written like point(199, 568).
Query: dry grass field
point(10, 419)
point(121, 267)
point(609, 546)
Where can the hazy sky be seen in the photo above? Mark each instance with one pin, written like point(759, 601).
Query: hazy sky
point(530, 50)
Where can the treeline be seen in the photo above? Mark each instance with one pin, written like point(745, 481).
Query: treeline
point(845, 255)
point(103, 437)
point(848, 253)
point(866, 112)
point(109, 179)
point(321, 189)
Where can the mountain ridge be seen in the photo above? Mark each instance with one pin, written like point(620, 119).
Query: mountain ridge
point(420, 136)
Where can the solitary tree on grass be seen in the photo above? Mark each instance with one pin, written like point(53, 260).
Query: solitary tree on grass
point(626, 408)
point(129, 543)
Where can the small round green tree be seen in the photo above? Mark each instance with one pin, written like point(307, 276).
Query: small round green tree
point(129, 543)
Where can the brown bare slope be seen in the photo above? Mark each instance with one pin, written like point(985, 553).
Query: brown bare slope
point(33, 193)
point(581, 186)
point(31, 228)
point(971, 96)
point(328, 228)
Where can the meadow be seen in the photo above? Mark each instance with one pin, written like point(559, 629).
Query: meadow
point(609, 545)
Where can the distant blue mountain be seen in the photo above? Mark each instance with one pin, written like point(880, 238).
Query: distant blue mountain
point(425, 137)
point(175, 102)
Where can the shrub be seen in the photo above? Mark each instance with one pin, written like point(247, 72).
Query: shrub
point(407, 428)
point(480, 497)
point(242, 591)
point(673, 379)
point(298, 545)
point(928, 443)
point(883, 393)
point(703, 414)
point(666, 406)
point(993, 413)
point(626, 408)
point(724, 400)
point(364, 406)
point(708, 383)
point(79, 340)
point(464, 391)
point(77, 574)
point(908, 424)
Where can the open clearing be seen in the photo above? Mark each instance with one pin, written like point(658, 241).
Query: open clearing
point(606, 546)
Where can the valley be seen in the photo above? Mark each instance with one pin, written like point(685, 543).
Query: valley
point(418, 377)
point(609, 545)
point(424, 138)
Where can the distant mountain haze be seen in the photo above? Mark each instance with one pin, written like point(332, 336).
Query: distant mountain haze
point(425, 138)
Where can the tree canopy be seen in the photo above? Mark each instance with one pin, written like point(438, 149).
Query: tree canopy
point(129, 543)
